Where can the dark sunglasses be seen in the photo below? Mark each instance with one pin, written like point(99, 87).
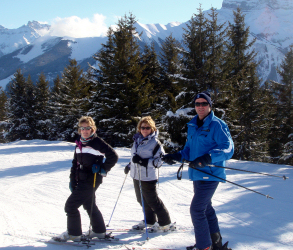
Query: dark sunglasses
point(143, 128)
point(203, 104)
point(85, 128)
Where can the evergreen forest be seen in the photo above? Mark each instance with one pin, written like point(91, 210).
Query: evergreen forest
point(132, 81)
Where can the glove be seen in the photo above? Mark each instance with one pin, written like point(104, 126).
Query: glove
point(126, 169)
point(172, 158)
point(72, 185)
point(98, 169)
point(140, 161)
point(201, 161)
point(103, 172)
point(95, 168)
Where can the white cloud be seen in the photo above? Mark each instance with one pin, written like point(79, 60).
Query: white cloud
point(79, 27)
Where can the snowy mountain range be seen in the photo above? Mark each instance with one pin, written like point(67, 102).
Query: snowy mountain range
point(34, 49)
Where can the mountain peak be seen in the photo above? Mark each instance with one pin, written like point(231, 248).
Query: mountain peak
point(36, 25)
point(247, 5)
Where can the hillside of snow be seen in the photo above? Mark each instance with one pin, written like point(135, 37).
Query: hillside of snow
point(34, 187)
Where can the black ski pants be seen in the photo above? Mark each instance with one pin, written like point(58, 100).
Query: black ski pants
point(155, 209)
point(82, 196)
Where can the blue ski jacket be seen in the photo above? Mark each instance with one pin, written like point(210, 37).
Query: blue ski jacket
point(212, 138)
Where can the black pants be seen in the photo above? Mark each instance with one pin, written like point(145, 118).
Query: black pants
point(155, 209)
point(82, 195)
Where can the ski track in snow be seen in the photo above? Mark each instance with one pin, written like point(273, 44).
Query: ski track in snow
point(34, 187)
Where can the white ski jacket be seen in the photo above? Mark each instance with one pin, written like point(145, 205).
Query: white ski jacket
point(144, 147)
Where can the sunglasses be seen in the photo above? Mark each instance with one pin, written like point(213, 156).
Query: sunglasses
point(85, 128)
point(203, 104)
point(143, 128)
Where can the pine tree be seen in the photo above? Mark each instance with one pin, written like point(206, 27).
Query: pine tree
point(3, 100)
point(191, 80)
point(169, 88)
point(3, 114)
point(240, 62)
point(284, 112)
point(126, 91)
point(70, 100)
point(240, 57)
point(194, 53)
point(21, 108)
point(30, 97)
point(102, 76)
point(203, 68)
point(251, 130)
point(152, 75)
point(170, 69)
point(216, 67)
point(42, 110)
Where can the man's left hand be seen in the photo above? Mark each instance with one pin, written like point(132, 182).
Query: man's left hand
point(201, 161)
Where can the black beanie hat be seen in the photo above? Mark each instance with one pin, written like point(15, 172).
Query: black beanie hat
point(206, 95)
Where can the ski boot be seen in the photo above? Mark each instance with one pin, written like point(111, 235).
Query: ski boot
point(65, 237)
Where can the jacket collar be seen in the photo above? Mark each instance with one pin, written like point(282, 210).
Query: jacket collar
point(138, 136)
point(206, 123)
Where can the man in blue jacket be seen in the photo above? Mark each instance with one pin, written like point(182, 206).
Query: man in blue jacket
point(208, 142)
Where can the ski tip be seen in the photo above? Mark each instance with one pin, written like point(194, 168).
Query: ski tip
point(225, 246)
point(56, 239)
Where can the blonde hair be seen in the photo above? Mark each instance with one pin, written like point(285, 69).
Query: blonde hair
point(148, 120)
point(89, 120)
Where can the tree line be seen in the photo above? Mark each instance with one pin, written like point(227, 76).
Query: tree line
point(131, 82)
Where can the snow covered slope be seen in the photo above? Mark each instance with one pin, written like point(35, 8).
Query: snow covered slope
point(34, 187)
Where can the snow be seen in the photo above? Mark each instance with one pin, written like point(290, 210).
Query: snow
point(4, 82)
point(36, 50)
point(13, 39)
point(85, 47)
point(183, 112)
point(34, 187)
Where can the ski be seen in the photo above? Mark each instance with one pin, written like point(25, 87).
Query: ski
point(144, 248)
point(225, 246)
point(84, 242)
point(110, 240)
point(68, 243)
point(126, 230)
point(142, 231)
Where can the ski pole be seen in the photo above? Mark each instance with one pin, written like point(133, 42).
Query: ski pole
point(117, 200)
point(142, 203)
point(283, 177)
point(92, 205)
point(234, 183)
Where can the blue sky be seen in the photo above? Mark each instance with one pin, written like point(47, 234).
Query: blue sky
point(16, 13)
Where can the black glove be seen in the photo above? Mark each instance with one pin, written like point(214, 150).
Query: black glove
point(140, 161)
point(201, 161)
point(172, 158)
point(127, 168)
